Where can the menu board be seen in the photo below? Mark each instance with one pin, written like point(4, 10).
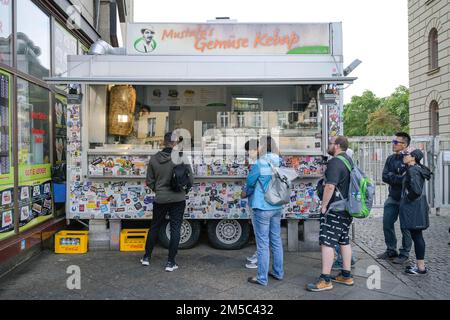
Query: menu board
point(187, 96)
point(5, 137)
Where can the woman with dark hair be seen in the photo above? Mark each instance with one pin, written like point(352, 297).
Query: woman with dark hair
point(267, 217)
point(414, 209)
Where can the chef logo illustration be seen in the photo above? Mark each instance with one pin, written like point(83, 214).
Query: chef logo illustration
point(146, 43)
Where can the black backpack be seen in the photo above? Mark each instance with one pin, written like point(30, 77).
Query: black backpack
point(180, 180)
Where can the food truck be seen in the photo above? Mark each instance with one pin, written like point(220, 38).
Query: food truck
point(218, 85)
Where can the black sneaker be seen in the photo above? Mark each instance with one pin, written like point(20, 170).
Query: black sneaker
point(171, 266)
point(387, 255)
point(400, 259)
point(145, 261)
point(414, 270)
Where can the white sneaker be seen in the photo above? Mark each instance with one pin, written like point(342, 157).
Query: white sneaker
point(251, 266)
point(145, 261)
point(253, 259)
point(171, 266)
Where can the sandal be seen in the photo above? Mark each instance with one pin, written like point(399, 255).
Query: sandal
point(254, 281)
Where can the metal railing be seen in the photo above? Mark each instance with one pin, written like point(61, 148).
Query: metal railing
point(370, 154)
point(442, 177)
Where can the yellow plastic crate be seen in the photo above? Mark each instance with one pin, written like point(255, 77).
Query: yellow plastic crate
point(133, 239)
point(71, 242)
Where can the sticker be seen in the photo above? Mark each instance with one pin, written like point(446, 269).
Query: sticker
point(24, 193)
point(104, 208)
point(97, 161)
point(92, 205)
point(7, 219)
point(120, 209)
point(36, 191)
point(81, 207)
point(47, 188)
point(127, 201)
point(48, 204)
point(6, 197)
point(24, 213)
point(148, 200)
point(138, 206)
point(37, 208)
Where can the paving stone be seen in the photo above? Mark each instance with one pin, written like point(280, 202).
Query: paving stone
point(369, 233)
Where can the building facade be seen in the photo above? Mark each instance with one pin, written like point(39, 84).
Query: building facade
point(429, 66)
point(36, 36)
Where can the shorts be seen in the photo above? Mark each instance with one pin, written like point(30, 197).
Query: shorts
point(335, 229)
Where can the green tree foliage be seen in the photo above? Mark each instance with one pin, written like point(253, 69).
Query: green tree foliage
point(383, 122)
point(356, 113)
point(398, 104)
point(369, 115)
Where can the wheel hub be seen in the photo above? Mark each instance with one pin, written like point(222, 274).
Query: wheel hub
point(228, 231)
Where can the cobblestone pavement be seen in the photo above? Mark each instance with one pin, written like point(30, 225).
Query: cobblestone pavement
point(435, 285)
point(204, 274)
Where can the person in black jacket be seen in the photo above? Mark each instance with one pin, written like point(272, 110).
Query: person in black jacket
point(393, 174)
point(414, 209)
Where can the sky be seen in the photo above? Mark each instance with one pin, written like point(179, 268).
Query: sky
point(375, 32)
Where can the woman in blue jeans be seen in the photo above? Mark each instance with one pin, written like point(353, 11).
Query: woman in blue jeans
point(267, 218)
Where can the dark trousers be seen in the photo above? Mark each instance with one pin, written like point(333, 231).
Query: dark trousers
point(175, 211)
point(390, 216)
point(419, 244)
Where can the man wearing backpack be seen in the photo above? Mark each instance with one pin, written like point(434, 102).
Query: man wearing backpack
point(335, 224)
point(160, 173)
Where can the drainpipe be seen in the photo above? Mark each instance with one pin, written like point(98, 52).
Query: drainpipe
point(97, 14)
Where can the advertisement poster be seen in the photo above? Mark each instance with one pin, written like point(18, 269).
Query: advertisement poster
point(228, 39)
point(6, 210)
point(60, 114)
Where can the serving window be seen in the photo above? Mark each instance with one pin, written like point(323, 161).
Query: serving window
point(218, 117)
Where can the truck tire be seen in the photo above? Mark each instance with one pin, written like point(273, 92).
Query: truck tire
point(228, 234)
point(189, 235)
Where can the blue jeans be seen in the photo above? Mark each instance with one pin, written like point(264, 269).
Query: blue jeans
point(267, 225)
point(390, 216)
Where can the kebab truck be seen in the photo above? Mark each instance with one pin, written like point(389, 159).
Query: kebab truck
point(218, 85)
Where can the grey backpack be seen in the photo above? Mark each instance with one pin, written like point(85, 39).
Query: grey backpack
point(279, 189)
point(361, 193)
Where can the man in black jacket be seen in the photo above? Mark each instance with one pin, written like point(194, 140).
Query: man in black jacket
point(393, 175)
point(167, 201)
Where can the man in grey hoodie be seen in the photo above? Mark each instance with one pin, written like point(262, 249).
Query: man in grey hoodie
point(167, 201)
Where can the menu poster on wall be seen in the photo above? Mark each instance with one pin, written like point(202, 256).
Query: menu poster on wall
point(187, 96)
point(6, 210)
point(6, 221)
point(60, 113)
point(5, 129)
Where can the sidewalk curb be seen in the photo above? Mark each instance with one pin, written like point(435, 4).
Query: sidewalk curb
point(388, 266)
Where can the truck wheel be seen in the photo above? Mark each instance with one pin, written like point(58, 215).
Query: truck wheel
point(228, 234)
point(189, 234)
